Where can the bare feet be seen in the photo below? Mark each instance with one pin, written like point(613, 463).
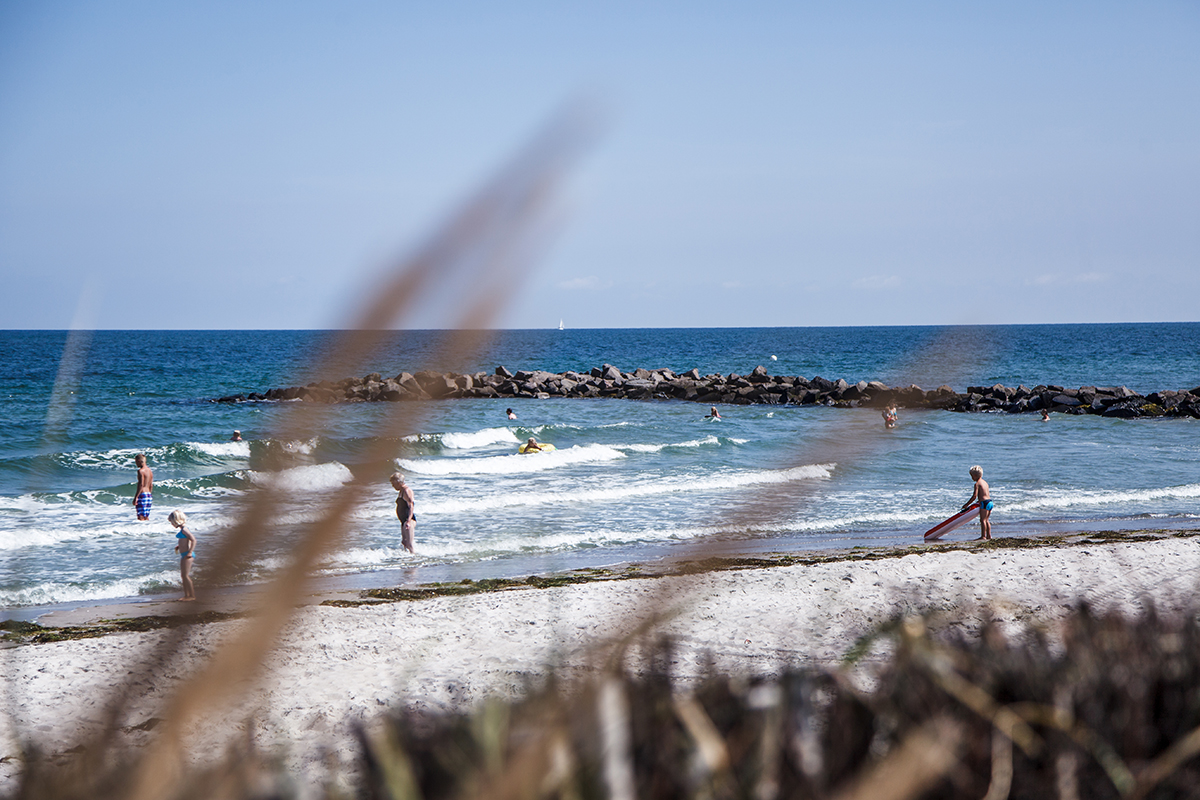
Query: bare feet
point(186, 599)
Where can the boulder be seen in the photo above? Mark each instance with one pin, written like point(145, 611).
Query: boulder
point(759, 375)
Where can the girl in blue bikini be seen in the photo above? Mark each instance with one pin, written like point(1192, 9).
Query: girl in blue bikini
point(186, 547)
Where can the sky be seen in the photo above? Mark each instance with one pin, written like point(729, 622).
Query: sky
point(237, 165)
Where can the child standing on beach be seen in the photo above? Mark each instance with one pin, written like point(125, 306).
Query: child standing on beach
point(186, 547)
point(981, 494)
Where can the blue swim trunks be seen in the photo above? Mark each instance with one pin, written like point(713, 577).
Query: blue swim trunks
point(986, 505)
point(143, 504)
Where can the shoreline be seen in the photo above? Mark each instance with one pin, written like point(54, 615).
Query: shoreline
point(89, 619)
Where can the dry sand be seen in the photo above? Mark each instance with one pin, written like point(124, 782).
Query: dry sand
point(339, 666)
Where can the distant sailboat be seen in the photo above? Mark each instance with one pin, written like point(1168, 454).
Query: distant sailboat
point(560, 325)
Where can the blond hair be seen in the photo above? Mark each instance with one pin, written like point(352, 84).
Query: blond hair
point(975, 472)
point(177, 518)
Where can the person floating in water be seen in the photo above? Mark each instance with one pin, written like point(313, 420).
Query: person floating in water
point(186, 547)
point(531, 446)
point(713, 413)
point(237, 436)
point(405, 504)
point(889, 417)
point(1045, 415)
point(145, 486)
point(982, 494)
point(511, 414)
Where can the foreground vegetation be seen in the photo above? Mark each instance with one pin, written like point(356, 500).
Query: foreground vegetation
point(1109, 707)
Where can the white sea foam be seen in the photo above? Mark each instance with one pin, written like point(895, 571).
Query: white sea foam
point(1056, 499)
point(655, 448)
point(524, 542)
point(555, 426)
point(110, 459)
point(122, 458)
point(223, 449)
point(313, 477)
point(618, 490)
point(1074, 498)
point(37, 536)
point(48, 593)
point(516, 464)
point(483, 438)
point(358, 557)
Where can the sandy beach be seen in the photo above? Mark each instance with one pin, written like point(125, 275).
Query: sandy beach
point(338, 666)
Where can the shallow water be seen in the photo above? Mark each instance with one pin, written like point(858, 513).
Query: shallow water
point(629, 480)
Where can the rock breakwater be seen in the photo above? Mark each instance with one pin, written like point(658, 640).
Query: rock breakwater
point(756, 388)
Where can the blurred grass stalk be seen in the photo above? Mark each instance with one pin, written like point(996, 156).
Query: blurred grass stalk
point(480, 258)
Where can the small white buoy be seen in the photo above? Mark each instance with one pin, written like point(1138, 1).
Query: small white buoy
point(773, 358)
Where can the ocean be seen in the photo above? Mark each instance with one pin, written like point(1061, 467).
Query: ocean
point(630, 481)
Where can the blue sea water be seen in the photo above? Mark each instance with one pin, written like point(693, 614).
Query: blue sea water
point(629, 481)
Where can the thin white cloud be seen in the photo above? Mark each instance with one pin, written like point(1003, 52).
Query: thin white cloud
point(877, 282)
point(589, 284)
point(1054, 279)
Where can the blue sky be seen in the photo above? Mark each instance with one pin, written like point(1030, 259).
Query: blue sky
point(234, 165)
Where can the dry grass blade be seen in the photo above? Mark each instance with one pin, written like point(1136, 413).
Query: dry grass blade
point(1160, 768)
point(613, 713)
point(709, 744)
point(921, 760)
point(484, 250)
point(1002, 767)
point(1005, 719)
point(1050, 717)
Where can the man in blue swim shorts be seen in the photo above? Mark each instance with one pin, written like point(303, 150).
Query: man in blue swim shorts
point(145, 485)
point(983, 496)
